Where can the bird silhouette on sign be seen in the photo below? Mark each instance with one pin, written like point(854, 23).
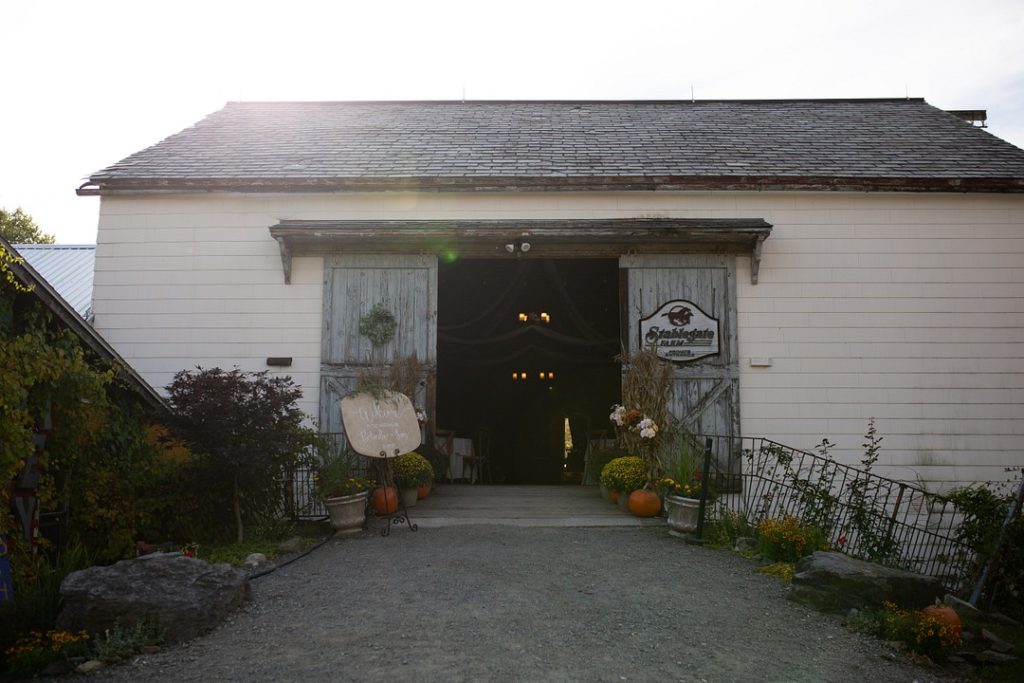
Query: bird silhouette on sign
point(679, 316)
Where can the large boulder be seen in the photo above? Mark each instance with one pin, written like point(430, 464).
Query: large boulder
point(833, 582)
point(184, 596)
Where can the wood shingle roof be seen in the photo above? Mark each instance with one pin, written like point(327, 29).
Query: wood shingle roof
point(884, 144)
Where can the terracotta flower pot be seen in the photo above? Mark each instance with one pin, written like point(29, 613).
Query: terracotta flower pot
point(613, 496)
point(643, 503)
point(409, 496)
point(422, 490)
point(385, 500)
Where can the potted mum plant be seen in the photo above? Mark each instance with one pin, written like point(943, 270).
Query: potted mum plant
point(622, 476)
point(640, 433)
point(682, 489)
point(343, 490)
point(412, 470)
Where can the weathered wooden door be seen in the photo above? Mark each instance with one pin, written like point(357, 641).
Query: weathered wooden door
point(706, 390)
point(406, 285)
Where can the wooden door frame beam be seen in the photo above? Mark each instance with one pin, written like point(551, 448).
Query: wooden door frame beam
point(506, 238)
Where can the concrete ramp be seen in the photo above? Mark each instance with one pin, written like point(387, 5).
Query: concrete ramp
point(522, 506)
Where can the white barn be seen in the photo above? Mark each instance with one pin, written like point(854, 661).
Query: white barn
point(862, 258)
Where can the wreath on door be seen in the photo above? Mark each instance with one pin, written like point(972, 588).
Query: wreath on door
point(378, 325)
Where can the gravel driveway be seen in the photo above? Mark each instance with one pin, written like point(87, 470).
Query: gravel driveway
point(489, 603)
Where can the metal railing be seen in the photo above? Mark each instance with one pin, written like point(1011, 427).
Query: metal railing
point(860, 513)
point(300, 500)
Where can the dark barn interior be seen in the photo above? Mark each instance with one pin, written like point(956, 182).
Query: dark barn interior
point(523, 346)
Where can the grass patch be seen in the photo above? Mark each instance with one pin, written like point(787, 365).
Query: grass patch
point(264, 540)
point(783, 571)
point(235, 553)
point(124, 641)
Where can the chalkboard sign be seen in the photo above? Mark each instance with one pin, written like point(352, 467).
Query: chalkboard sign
point(383, 427)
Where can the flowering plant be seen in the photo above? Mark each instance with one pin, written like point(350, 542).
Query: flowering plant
point(648, 428)
point(338, 476)
point(412, 469)
point(632, 420)
point(685, 479)
point(34, 651)
point(624, 475)
point(637, 433)
point(688, 489)
point(788, 538)
point(627, 418)
point(919, 631)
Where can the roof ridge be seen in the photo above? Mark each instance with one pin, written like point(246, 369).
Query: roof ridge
point(818, 100)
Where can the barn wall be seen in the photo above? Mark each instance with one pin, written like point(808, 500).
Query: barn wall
point(908, 308)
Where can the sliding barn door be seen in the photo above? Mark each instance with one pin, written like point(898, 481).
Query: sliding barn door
point(706, 389)
point(406, 285)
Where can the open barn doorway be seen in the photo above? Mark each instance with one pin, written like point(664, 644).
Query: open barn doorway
point(526, 361)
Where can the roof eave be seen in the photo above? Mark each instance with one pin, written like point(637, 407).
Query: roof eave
point(646, 183)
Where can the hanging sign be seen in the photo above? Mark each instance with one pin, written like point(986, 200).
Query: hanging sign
point(679, 331)
point(384, 427)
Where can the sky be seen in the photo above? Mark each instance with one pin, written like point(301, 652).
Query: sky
point(87, 84)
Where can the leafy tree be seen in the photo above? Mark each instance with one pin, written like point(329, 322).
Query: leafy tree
point(247, 431)
point(17, 227)
point(43, 370)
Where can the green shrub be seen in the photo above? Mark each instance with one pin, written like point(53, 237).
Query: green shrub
point(984, 512)
point(245, 429)
point(624, 475)
point(725, 527)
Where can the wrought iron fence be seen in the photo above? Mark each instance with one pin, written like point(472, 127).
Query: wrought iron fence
point(300, 500)
point(861, 513)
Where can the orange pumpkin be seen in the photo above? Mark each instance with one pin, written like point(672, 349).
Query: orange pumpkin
point(422, 490)
point(385, 500)
point(643, 503)
point(945, 615)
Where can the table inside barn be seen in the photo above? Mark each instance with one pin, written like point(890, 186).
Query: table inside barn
point(460, 448)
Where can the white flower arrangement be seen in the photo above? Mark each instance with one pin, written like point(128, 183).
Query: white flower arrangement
point(618, 415)
point(648, 428)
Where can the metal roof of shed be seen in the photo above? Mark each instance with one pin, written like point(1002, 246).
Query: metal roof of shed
point(68, 268)
point(45, 292)
point(879, 144)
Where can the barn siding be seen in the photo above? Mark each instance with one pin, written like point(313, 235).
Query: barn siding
point(908, 308)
